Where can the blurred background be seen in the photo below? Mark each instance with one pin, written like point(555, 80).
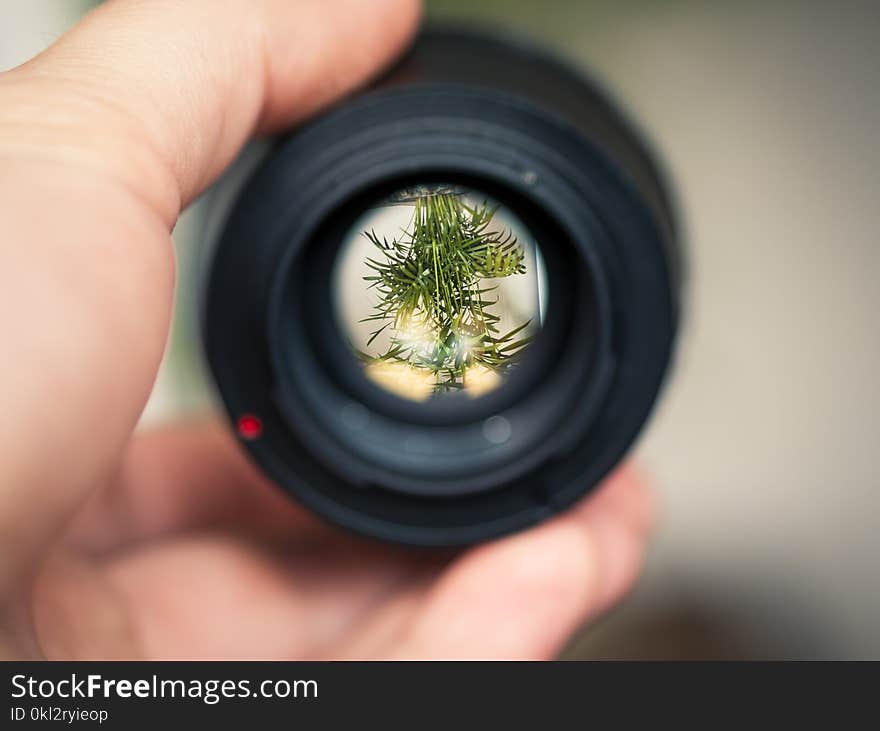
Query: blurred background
point(765, 444)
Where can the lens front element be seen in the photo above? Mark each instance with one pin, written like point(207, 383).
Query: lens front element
point(439, 290)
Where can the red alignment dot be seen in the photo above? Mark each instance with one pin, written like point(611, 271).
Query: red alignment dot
point(249, 426)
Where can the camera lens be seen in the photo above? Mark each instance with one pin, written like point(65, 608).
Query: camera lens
point(439, 292)
point(443, 310)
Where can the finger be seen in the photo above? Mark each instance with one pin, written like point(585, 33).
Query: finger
point(102, 139)
point(161, 94)
point(523, 596)
point(213, 596)
point(189, 478)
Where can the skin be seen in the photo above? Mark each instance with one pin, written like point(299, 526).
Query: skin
point(161, 544)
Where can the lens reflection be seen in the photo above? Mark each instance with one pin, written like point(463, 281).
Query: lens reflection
point(439, 290)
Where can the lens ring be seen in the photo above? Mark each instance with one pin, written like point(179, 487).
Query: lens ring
point(441, 451)
point(551, 162)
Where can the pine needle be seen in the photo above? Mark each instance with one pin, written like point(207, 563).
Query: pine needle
point(429, 282)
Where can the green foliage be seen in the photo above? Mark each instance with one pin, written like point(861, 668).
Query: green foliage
point(432, 293)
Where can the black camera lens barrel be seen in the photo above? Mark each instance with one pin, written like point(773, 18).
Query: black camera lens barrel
point(507, 121)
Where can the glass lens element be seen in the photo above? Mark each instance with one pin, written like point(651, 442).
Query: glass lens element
point(439, 290)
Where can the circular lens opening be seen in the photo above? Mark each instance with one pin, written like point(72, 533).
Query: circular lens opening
point(439, 290)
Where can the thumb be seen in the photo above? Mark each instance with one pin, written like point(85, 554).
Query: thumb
point(102, 139)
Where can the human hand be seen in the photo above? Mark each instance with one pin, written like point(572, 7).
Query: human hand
point(168, 543)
